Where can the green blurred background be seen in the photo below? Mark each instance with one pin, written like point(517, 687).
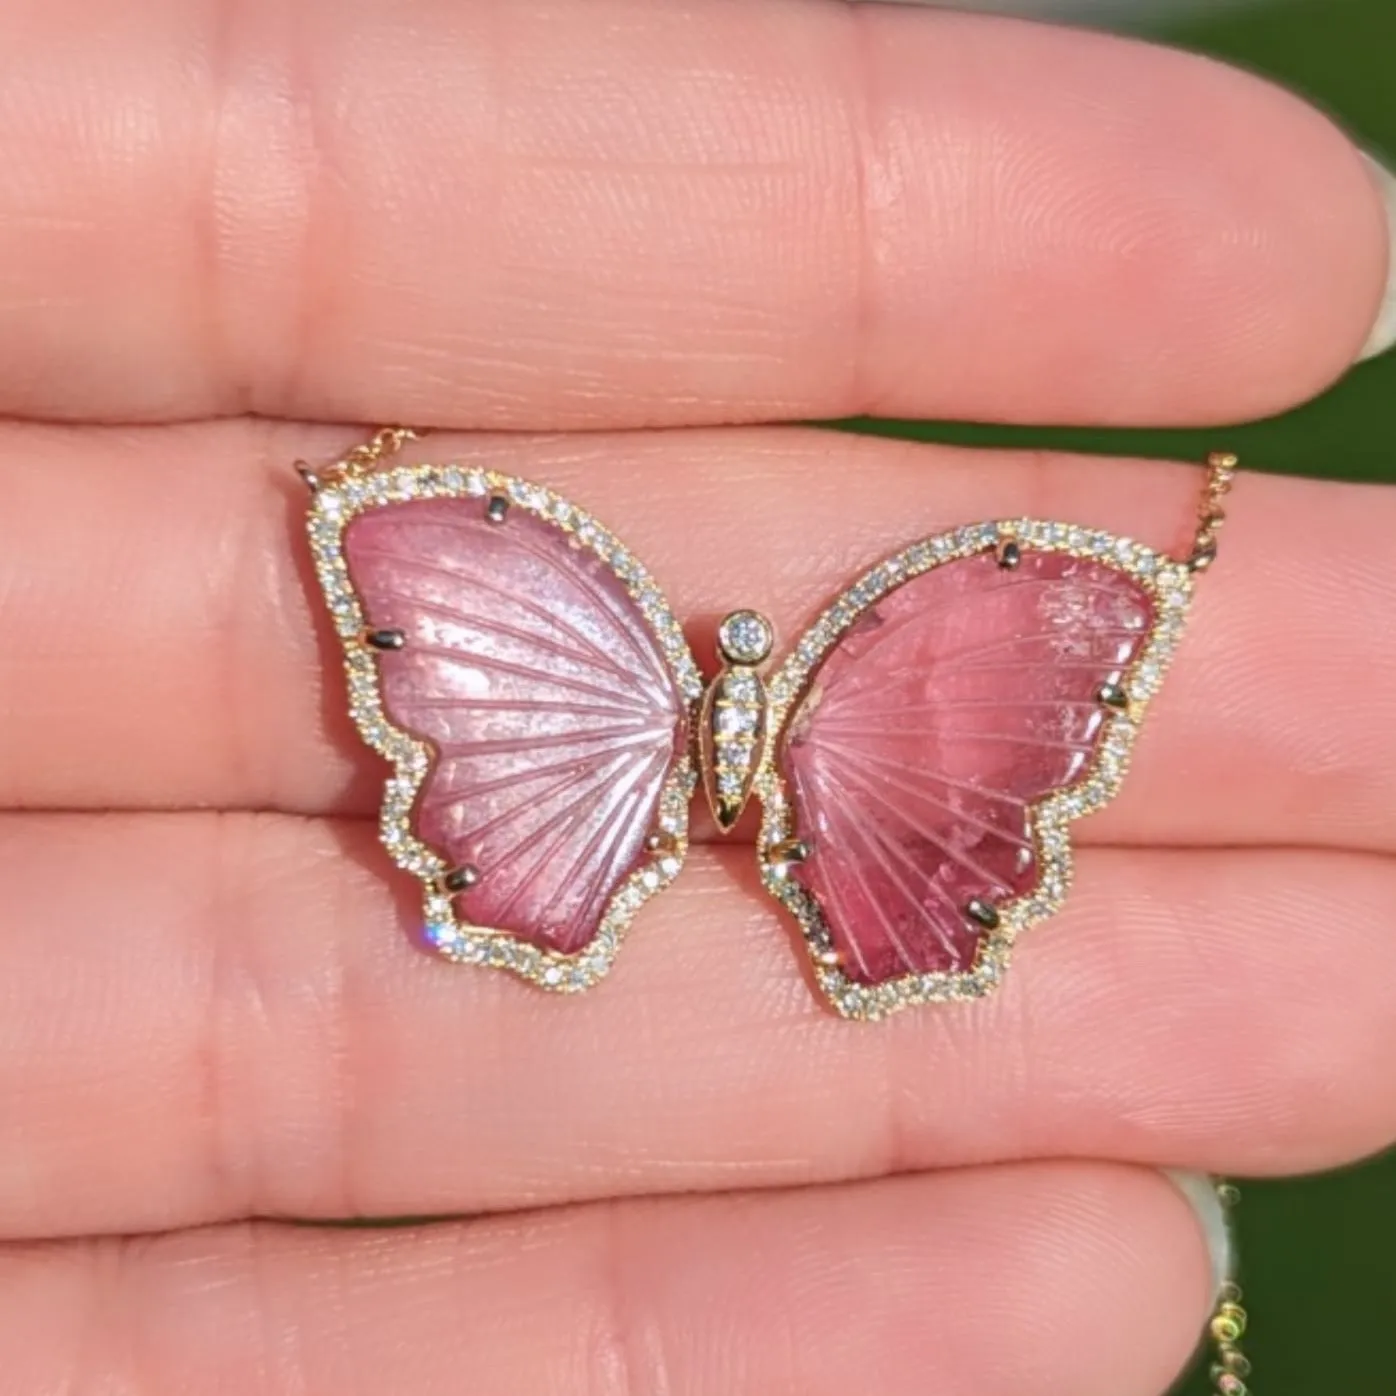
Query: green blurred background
point(1318, 1255)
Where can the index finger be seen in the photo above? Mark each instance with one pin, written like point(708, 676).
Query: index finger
point(529, 215)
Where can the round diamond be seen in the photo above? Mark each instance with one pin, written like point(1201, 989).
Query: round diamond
point(736, 721)
point(729, 785)
point(741, 688)
point(441, 935)
point(745, 637)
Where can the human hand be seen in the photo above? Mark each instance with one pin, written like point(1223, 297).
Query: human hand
point(554, 217)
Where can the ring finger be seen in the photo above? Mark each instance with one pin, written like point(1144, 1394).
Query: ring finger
point(1096, 1275)
point(229, 1003)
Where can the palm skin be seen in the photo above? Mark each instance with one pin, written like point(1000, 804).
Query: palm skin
point(219, 227)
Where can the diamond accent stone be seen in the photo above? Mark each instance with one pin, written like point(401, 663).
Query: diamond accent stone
point(745, 637)
point(741, 688)
point(733, 721)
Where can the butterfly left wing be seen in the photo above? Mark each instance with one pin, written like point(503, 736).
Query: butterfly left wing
point(525, 677)
point(933, 734)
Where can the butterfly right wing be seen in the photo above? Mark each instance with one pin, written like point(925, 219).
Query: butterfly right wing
point(935, 733)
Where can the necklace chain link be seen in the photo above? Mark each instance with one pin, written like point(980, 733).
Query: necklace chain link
point(1229, 1320)
point(385, 443)
point(1221, 471)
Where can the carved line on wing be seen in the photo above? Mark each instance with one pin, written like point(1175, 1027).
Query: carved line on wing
point(1081, 581)
point(872, 790)
point(852, 833)
point(605, 852)
point(560, 820)
point(578, 581)
point(859, 696)
point(889, 848)
point(641, 645)
point(463, 658)
point(589, 784)
point(598, 657)
point(893, 773)
point(569, 708)
point(560, 824)
point(876, 842)
point(953, 659)
point(872, 713)
point(476, 788)
point(1009, 738)
point(619, 624)
point(552, 741)
point(468, 620)
point(966, 785)
point(1012, 582)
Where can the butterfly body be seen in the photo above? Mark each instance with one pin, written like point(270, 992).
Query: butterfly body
point(917, 755)
point(732, 722)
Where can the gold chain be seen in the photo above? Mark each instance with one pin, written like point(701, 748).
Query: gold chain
point(1228, 1325)
point(1221, 470)
point(360, 459)
point(385, 442)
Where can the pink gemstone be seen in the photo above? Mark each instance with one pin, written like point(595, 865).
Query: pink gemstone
point(938, 719)
point(530, 670)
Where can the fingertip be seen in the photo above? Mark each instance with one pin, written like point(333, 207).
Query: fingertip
point(1201, 1193)
point(1383, 332)
point(1150, 236)
point(1309, 237)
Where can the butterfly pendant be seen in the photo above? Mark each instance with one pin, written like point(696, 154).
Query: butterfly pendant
point(918, 756)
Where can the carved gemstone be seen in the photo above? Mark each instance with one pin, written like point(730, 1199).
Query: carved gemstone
point(554, 719)
point(928, 731)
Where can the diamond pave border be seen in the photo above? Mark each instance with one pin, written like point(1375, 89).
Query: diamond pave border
point(1169, 584)
point(333, 506)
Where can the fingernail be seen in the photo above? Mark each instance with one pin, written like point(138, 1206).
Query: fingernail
point(1200, 1192)
point(1383, 335)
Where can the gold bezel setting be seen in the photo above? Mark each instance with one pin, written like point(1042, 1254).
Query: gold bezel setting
point(334, 504)
point(1169, 584)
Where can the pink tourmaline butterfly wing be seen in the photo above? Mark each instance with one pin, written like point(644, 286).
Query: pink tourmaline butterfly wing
point(930, 729)
point(554, 720)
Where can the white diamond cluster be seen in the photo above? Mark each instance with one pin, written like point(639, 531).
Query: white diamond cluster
point(333, 507)
point(1168, 583)
point(745, 637)
point(738, 706)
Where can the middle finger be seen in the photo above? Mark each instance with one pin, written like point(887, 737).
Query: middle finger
point(164, 651)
